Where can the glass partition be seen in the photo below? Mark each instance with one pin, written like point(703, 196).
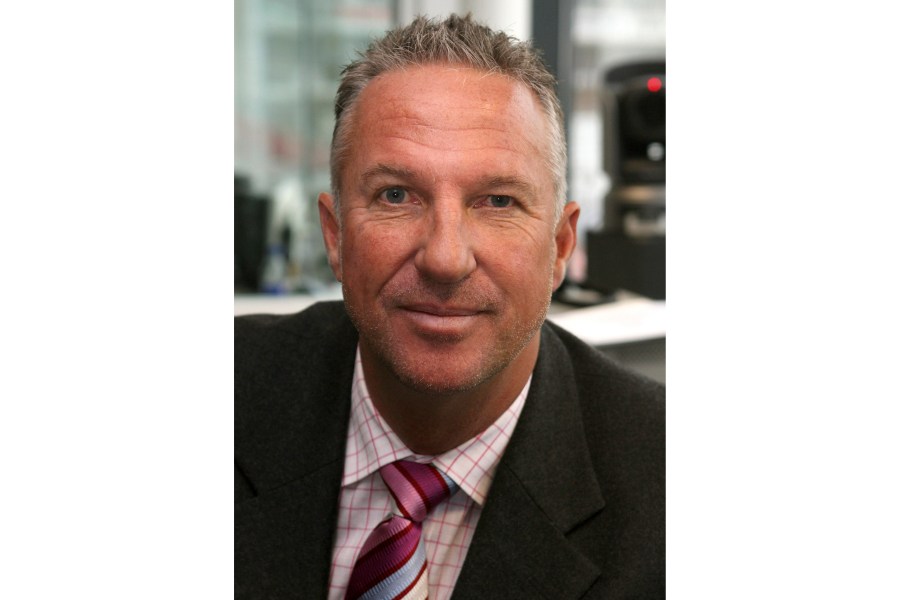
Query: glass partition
point(288, 55)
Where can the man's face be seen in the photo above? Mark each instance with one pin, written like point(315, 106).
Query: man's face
point(447, 248)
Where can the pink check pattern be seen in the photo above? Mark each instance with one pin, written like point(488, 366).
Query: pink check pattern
point(366, 501)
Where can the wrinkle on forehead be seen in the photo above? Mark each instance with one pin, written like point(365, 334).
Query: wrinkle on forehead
point(509, 113)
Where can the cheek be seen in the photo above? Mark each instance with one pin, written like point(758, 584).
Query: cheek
point(524, 250)
point(526, 267)
point(370, 257)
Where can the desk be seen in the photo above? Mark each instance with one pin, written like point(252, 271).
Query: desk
point(248, 304)
point(632, 331)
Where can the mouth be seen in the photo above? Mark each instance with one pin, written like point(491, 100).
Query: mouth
point(437, 310)
point(449, 323)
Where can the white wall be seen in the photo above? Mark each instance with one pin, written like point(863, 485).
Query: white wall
point(511, 16)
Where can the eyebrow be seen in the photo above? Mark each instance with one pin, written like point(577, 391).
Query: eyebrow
point(512, 182)
point(381, 170)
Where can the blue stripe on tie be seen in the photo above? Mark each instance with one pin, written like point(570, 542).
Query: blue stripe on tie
point(401, 579)
point(451, 485)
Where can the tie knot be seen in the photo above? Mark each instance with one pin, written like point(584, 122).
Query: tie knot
point(417, 488)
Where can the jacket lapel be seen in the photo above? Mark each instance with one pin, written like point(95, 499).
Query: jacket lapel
point(544, 487)
point(284, 537)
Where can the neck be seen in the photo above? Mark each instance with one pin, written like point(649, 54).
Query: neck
point(433, 423)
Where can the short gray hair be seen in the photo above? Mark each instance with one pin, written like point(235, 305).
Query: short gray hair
point(458, 41)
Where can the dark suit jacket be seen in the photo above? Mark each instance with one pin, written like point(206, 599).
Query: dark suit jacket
point(576, 509)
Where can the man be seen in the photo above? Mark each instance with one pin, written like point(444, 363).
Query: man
point(448, 228)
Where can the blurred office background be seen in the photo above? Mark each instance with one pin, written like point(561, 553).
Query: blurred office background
point(288, 58)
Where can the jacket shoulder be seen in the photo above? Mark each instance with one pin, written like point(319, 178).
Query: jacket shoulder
point(292, 378)
point(319, 319)
point(623, 412)
point(596, 374)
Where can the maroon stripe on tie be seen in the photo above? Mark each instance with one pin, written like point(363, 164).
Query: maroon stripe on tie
point(412, 480)
point(387, 542)
point(442, 482)
point(368, 576)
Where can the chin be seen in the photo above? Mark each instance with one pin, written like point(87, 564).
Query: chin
point(441, 379)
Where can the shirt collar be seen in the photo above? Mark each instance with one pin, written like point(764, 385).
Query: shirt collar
point(372, 444)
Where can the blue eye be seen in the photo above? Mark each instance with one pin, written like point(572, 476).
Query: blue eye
point(500, 201)
point(394, 195)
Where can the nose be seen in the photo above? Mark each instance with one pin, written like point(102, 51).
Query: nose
point(445, 254)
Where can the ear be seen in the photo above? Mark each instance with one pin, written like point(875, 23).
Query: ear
point(566, 238)
point(331, 232)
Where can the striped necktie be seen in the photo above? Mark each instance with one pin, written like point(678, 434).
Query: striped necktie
point(391, 563)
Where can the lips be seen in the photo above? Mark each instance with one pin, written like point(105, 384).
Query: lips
point(442, 311)
point(441, 323)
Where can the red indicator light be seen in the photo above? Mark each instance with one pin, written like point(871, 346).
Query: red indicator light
point(654, 84)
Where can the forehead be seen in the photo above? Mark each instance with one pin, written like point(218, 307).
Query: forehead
point(452, 110)
point(449, 86)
